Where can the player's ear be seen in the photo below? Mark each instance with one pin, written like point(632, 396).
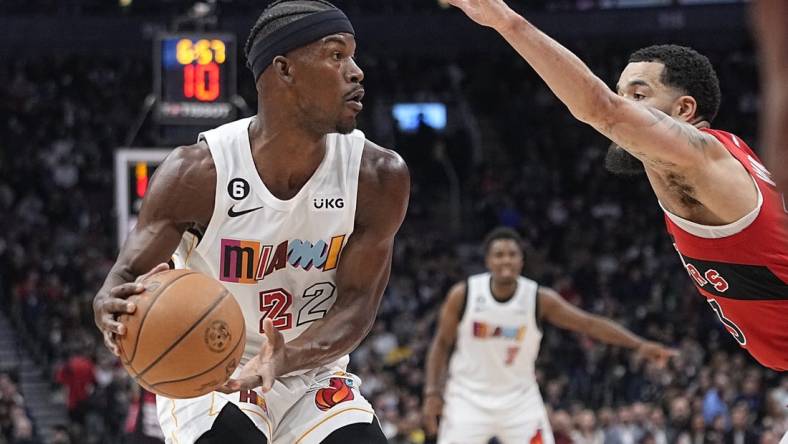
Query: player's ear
point(686, 108)
point(283, 67)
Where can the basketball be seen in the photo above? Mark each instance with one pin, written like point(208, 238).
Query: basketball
point(186, 336)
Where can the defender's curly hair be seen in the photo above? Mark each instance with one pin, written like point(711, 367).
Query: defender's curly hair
point(687, 70)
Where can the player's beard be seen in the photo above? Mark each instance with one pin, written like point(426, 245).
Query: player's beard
point(619, 162)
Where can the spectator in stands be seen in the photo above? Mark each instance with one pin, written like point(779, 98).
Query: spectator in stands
point(78, 376)
point(626, 431)
point(562, 427)
point(60, 435)
point(587, 431)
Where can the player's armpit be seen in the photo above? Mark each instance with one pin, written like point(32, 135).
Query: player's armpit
point(365, 265)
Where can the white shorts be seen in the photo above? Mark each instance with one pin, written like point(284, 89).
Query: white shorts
point(302, 409)
point(466, 422)
point(785, 439)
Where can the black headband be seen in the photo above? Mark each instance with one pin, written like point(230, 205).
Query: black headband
point(294, 35)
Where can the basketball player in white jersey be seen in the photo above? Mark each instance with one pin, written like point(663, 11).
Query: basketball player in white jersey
point(493, 322)
point(268, 205)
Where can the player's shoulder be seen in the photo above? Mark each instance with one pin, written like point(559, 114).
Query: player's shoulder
point(382, 160)
point(182, 188)
point(721, 145)
point(383, 188)
point(383, 171)
point(458, 290)
point(456, 299)
point(728, 139)
point(190, 164)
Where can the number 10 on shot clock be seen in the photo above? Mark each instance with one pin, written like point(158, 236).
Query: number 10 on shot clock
point(195, 78)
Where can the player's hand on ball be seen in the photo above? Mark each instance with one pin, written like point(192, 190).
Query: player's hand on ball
point(106, 309)
point(262, 370)
point(656, 352)
point(492, 13)
point(430, 412)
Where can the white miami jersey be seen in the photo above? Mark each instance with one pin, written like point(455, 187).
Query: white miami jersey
point(496, 348)
point(277, 257)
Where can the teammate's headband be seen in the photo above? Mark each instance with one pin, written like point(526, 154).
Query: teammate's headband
point(294, 35)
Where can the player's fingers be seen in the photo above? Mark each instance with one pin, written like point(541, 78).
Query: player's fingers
point(117, 306)
point(108, 341)
point(109, 325)
point(157, 269)
point(242, 383)
point(271, 333)
point(231, 386)
point(125, 290)
point(267, 382)
point(247, 382)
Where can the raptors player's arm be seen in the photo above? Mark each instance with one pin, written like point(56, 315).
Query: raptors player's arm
point(770, 18)
point(438, 356)
point(667, 147)
point(554, 309)
point(362, 275)
point(180, 195)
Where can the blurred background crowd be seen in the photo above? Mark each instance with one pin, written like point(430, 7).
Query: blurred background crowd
point(510, 155)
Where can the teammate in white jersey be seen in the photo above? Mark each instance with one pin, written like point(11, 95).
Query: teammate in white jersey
point(268, 205)
point(493, 321)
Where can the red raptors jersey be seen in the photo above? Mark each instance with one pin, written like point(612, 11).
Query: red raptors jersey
point(744, 276)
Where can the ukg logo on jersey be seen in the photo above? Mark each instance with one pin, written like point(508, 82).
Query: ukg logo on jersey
point(248, 261)
point(328, 203)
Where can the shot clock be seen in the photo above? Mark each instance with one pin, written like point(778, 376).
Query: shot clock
point(134, 168)
point(194, 78)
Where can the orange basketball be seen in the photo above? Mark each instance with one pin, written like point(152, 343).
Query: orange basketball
point(186, 336)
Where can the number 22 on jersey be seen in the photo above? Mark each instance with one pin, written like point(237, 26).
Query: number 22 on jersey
point(277, 304)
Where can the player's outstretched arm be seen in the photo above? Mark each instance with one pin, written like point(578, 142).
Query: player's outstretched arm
point(180, 194)
point(553, 308)
point(770, 22)
point(648, 134)
point(438, 356)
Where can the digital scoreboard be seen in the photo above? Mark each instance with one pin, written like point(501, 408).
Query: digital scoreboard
point(194, 78)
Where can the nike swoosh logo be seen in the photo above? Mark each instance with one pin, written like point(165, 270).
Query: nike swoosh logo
point(233, 213)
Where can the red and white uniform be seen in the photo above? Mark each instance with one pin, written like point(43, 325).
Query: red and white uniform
point(742, 268)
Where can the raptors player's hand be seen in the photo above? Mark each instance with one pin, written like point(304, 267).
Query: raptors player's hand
point(430, 412)
point(492, 13)
point(106, 309)
point(656, 352)
point(262, 370)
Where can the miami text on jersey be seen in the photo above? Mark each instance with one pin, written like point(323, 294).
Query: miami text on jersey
point(248, 261)
point(484, 330)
